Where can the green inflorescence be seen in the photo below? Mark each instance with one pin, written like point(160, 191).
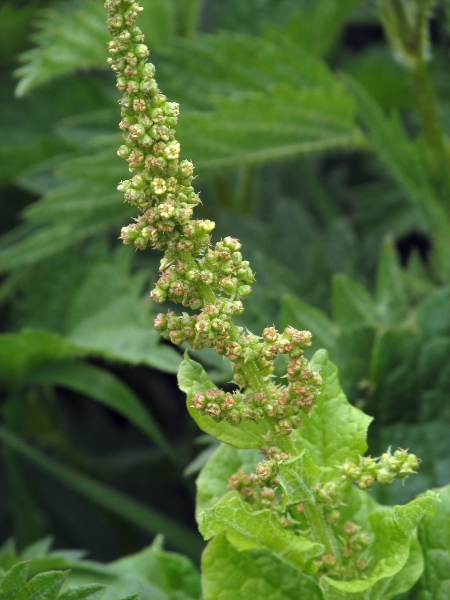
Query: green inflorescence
point(211, 282)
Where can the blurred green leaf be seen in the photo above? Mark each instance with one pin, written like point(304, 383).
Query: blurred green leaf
point(72, 35)
point(104, 387)
point(302, 316)
point(352, 304)
point(113, 500)
point(22, 352)
point(257, 529)
point(256, 128)
point(390, 293)
point(317, 25)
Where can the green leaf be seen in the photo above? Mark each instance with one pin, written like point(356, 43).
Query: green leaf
point(212, 483)
point(352, 304)
point(434, 537)
point(96, 306)
point(117, 502)
point(298, 477)
point(44, 586)
point(390, 293)
point(71, 37)
point(260, 528)
point(87, 592)
point(228, 63)
point(328, 18)
point(257, 128)
point(251, 575)
point(407, 162)
point(104, 387)
point(22, 352)
point(336, 431)
point(157, 574)
point(433, 315)
point(13, 581)
point(303, 316)
point(392, 528)
point(193, 379)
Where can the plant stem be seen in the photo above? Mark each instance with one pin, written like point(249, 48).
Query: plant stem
point(429, 115)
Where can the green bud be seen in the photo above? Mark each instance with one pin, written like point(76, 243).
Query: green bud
point(141, 51)
point(158, 295)
point(123, 151)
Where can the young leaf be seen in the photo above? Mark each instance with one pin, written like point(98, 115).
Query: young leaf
point(193, 379)
point(434, 537)
point(251, 575)
point(256, 529)
point(336, 431)
point(212, 483)
point(392, 528)
point(298, 477)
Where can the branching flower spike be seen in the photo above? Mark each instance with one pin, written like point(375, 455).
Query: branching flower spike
point(214, 280)
point(300, 498)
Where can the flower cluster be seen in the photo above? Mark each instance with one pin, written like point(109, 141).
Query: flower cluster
point(351, 563)
point(382, 470)
point(213, 280)
point(282, 404)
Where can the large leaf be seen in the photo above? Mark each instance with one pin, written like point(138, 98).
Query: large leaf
point(20, 353)
point(95, 307)
point(327, 17)
point(192, 379)
point(258, 529)
point(257, 128)
point(336, 431)
point(407, 162)
point(227, 63)
point(392, 529)
point(251, 575)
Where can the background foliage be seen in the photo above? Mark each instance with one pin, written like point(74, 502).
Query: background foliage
point(309, 146)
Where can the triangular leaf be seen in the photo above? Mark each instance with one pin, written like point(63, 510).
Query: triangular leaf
point(193, 379)
point(390, 294)
point(336, 431)
point(352, 304)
